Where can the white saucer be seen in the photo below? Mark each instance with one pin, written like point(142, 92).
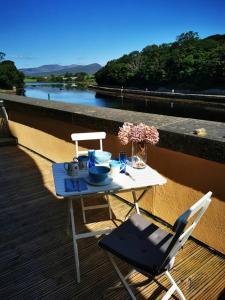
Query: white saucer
point(106, 181)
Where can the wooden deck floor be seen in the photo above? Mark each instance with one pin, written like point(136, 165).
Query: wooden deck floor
point(36, 257)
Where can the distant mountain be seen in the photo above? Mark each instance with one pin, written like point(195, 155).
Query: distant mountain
point(46, 70)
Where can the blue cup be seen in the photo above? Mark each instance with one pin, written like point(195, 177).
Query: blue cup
point(82, 162)
point(114, 167)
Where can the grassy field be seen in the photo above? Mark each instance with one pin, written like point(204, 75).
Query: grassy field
point(28, 79)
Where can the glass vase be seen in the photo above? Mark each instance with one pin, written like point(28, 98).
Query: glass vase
point(139, 155)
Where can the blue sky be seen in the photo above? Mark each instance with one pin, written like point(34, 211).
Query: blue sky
point(40, 32)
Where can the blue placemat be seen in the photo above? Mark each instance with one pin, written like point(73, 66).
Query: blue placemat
point(75, 184)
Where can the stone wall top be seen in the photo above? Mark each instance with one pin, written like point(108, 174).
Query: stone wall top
point(175, 133)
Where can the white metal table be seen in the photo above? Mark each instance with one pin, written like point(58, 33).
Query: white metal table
point(140, 179)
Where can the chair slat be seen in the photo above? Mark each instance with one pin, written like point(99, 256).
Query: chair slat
point(88, 136)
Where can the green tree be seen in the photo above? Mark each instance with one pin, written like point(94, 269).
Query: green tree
point(10, 77)
point(189, 62)
point(81, 76)
point(67, 75)
point(2, 56)
point(187, 36)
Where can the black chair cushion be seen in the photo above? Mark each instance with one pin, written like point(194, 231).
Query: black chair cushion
point(140, 243)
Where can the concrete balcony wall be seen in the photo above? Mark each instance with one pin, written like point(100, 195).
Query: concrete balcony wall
point(48, 131)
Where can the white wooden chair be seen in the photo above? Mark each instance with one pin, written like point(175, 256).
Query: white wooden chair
point(150, 249)
point(88, 136)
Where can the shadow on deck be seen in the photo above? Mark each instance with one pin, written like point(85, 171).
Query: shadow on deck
point(36, 254)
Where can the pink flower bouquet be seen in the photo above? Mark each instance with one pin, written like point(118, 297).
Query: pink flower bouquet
point(138, 133)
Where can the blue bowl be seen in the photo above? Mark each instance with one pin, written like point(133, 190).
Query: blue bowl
point(102, 157)
point(98, 173)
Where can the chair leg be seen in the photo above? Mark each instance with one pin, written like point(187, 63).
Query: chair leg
point(68, 225)
point(167, 296)
point(83, 210)
point(136, 202)
point(173, 288)
point(123, 280)
point(110, 209)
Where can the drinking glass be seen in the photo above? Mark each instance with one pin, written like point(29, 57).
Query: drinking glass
point(123, 160)
point(91, 158)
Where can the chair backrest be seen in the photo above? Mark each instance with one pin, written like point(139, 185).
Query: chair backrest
point(182, 231)
point(87, 136)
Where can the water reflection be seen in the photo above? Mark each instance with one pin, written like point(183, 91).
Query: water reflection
point(66, 93)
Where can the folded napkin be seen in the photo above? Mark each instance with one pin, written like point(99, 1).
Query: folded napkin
point(75, 184)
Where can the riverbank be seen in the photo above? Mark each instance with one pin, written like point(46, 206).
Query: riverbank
point(10, 92)
point(118, 92)
point(206, 107)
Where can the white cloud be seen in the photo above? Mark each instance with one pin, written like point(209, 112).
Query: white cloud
point(20, 56)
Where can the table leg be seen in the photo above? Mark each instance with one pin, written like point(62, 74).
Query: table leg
point(75, 248)
point(82, 207)
point(136, 202)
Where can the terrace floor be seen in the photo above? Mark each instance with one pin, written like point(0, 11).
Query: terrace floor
point(36, 256)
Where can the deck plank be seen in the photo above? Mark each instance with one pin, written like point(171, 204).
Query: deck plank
point(36, 256)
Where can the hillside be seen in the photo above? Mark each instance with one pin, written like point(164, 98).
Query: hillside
point(188, 63)
point(55, 69)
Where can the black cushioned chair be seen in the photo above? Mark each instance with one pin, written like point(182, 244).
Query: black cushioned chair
point(149, 249)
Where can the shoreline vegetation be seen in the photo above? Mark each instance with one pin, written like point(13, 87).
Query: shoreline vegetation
point(11, 79)
point(82, 80)
point(189, 63)
point(11, 92)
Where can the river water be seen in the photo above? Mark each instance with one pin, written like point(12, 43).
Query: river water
point(59, 92)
